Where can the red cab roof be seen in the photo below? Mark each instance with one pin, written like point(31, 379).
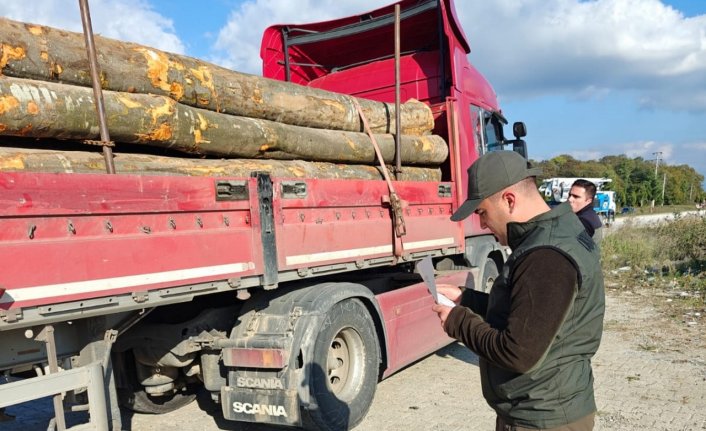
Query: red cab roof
point(318, 49)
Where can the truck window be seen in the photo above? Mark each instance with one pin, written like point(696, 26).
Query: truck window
point(487, 130)
point(493, 131)
point(478, 126)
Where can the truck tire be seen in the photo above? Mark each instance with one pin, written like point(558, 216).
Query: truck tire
point(344, 368)
point(490, 273)
point(133, 396)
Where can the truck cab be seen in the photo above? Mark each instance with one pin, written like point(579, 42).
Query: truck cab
point(604, 205)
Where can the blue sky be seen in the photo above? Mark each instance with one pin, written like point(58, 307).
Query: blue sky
point(589, 78)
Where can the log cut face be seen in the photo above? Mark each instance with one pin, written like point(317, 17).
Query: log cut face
point(40, 109)
point(52, 161)
point(43, 53)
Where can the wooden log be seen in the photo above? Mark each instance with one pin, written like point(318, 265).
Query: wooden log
point(43, 53)
point(42, 109)
point(53, 161)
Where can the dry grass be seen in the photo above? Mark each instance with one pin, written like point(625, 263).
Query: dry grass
point(670, 257)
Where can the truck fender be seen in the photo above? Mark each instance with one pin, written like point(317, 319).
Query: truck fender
point(291, 319)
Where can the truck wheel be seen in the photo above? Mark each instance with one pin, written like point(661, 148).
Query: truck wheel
point(490, 273)
point(133, 396)
point(344, 370)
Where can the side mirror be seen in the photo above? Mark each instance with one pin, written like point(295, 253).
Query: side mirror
point(519, 130)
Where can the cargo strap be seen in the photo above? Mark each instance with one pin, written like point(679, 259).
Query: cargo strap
point(396, 204)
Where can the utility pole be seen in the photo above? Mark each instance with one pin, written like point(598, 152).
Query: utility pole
point(664, 183)
point(658, 157)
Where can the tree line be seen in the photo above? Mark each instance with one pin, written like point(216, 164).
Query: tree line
point(636, 181)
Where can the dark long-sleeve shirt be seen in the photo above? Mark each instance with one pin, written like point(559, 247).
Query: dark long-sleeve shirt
point(544, 287)
point(589, 219)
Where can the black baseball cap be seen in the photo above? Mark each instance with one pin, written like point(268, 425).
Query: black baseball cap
point(491, 173)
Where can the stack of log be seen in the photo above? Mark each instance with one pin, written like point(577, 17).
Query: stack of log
point(223, 122)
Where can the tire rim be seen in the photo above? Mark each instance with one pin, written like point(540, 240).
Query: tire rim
point(489, 280)
point(345, 362)
point(489, 283)
point(489, 274)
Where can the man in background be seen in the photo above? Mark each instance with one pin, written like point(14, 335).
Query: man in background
point(581, 200)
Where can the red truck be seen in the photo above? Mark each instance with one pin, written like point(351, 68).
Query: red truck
point(286, 299)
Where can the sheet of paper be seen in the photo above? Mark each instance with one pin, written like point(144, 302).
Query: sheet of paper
point(426, 269)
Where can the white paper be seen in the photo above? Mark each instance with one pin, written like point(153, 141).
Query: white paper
point(426, 269)
point(443, 300)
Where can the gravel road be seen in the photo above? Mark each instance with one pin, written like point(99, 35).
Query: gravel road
point(650, 374)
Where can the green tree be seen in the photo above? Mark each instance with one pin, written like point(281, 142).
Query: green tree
point(634, 180)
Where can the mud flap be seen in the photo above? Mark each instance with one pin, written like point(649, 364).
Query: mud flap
point(261, 405)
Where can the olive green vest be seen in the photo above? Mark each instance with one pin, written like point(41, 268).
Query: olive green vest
point(559, 389)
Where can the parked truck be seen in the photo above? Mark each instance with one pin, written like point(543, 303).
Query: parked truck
point(287, 297)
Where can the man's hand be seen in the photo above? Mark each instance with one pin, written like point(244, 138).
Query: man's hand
point(443, 312)
point(454, 294)
point(450, 291)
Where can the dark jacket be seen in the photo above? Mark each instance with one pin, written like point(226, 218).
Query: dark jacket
point(589, 219)
point(543, 324)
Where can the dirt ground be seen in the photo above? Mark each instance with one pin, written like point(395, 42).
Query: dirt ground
point(650, 374)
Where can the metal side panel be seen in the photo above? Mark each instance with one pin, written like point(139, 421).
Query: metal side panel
point(80, 237)
point(335, 223)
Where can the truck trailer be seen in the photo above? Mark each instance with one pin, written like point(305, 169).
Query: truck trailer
point(286, 296)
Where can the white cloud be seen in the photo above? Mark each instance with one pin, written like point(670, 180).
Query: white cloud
point(646, 149)
point(238, 43)
point(585, 154)
point(130, 20)
point(698, 146)
point(577, 48)
point(572, 47)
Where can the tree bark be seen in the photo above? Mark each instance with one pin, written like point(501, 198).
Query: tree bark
point(42, 109)
point(53, 161)
point(43, 53)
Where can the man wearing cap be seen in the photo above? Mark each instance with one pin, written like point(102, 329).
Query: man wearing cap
point(536, 332)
